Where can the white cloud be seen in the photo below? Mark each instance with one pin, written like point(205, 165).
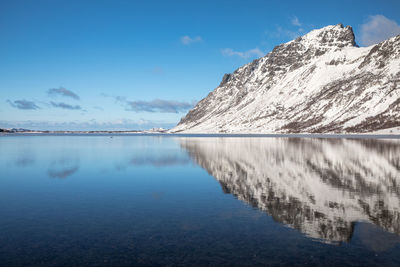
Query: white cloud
point(246, 54)
point(377, 29)
point(187, 40)
point(156, 105)
point(62, 92)
point(284, 33)
point(295, 21)
point(292, 33)
point(158, 70)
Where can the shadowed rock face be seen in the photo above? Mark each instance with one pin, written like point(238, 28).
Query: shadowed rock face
point(320, 82)
point(320, 187)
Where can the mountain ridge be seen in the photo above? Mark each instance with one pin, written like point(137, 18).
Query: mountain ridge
point(321, 82)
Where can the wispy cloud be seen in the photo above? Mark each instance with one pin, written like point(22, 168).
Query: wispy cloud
point(62, 92)
point(98, 108)
point(187, 40)
point(156, 105)
point(23, 104)
point(157, 70)
point(377, 29)
point(295, 29)
point(65, 106)
point(281, 32)
point(296, 22)
point(245, 54)
point(159, 105)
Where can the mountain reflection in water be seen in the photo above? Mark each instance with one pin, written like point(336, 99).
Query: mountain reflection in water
point(320, 187)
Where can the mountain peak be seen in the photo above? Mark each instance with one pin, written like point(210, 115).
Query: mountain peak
point(318, 83)
point(330, 36)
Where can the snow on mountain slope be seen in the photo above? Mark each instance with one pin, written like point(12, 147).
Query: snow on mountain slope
point(318, 83)
point(320, 187)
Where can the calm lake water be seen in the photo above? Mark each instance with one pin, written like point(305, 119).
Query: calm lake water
point(179, 200)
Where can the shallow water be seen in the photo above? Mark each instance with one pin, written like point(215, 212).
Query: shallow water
point(154, 199)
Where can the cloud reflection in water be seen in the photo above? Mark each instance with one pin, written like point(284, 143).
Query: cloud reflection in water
point(63, 168)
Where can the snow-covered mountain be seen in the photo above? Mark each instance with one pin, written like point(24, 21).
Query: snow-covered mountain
point(320, 187)
point(318, 83)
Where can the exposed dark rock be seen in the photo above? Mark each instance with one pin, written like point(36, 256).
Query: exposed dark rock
point(225, 79)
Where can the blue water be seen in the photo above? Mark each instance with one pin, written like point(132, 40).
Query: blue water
point(174, 200)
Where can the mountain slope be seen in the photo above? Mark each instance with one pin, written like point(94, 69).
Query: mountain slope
point(320, 82)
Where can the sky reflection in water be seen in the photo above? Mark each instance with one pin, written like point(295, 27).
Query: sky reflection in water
point(169, 200)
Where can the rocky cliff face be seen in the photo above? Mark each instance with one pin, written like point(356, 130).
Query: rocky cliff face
point(318, 83)
point(320, 187)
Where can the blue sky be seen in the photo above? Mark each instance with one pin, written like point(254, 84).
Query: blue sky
point(87, 65)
